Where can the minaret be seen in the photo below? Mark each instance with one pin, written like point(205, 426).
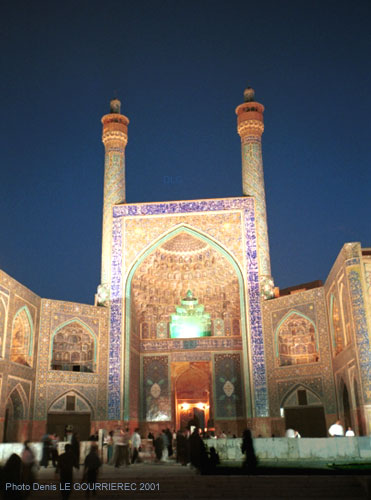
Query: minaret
point(115, 138)
point(250, 126)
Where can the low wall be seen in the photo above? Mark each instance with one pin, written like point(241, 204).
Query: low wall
point(7, 449)
point(347, 448)
point(342, 449)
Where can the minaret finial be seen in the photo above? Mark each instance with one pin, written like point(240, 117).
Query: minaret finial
point(115, 106)
point(249, 94)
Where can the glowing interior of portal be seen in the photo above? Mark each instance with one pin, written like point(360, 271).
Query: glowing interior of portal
point(190, 320)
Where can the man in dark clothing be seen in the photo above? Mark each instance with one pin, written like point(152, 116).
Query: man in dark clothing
point(46, 450)
point(158, 444)
point(197, 451)
point(11, 473)
point(75, 444)
point(66, 462)
point(247, 447)
point(170, 442)
point(181, 448)
point(91, 468)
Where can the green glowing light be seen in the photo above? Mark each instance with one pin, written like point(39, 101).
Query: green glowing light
point(190, 320)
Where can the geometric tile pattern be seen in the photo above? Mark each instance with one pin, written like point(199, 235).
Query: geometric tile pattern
point(360, 323)
point(317, 376)
point(228, 386)
point(156, 391)
point(253, 185)
point(51, 384)
point(249, 264)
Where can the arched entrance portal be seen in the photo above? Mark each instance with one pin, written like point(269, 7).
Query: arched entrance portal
point(184, 265)
point(72, 411)
point(192, 392)
point(304, 412)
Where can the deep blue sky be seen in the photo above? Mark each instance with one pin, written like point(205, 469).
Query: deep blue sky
point(180, 68)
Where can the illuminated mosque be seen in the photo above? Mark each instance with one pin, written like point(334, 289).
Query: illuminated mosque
point(188, 325)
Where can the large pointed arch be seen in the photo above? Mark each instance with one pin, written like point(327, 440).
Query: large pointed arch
point(128, 303)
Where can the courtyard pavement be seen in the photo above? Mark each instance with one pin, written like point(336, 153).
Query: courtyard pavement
point(173, 481)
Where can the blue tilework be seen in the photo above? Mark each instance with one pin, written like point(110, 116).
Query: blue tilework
point(360, 322)
point(256, 331)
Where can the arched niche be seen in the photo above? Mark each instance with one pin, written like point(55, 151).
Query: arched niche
point(15, 413)
point(164, 277)
point(73, 347)
point(296, 340)
point(22, 338)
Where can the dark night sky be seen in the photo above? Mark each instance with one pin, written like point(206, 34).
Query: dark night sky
point(180, 68)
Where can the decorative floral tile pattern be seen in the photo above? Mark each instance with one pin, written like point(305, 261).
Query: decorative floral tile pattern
point(245, 253)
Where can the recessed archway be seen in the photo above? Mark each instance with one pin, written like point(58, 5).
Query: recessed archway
point(15, 414)
point(183, 259)
point(192, 393)
point(73, 410)
point(22, 337)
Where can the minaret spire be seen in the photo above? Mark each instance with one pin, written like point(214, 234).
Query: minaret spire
point(250, 127)
point(115, 138)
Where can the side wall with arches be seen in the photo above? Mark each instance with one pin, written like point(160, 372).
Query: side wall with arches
point(349, 317)
point(68, 327)
point(299, 321)
point(19, 324)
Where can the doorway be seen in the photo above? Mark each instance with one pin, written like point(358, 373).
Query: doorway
point(192, 382)
point(80, 423)
point(309, 421)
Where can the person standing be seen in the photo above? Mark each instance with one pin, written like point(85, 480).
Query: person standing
point(170, 442)
point(336, 429)
point(197, 451)
point(66, 463)
point(28, 463)
point(54, 448)
point(91, 467)
point(181, 448)
point(11, 473)
point(46, 442)
point(350, 432)
point(118, 447)
point(136, 444)
point(247, 448)
point(165, 446)
point(126, 447)
point(159, 445)
point(75, 444)
point(109, 442)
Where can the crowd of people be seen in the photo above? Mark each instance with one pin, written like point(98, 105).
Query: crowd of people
point(186, 446)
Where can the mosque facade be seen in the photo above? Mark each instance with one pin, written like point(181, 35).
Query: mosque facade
point(187, 325)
